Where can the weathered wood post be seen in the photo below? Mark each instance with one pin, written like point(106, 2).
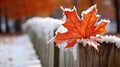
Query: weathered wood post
point(41, 31)
point(83, 31)
point(72, 38)
point(108, 56)
point(52, 56)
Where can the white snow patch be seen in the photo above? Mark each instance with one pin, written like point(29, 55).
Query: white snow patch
point(18, 52)
point(83, 41)
point(62, 29)
point(43, 26)
point(68, 9)
point(111, 39)
point(75, 51)
point(62, 45)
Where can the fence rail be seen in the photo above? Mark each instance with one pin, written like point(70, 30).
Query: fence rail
point(52, 56)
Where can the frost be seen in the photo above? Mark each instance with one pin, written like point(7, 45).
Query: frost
point(62, 45)
point(89, 10)
point(18, 51)
point(43, 26)
point(104, 20)
point(49, 25)
point(111, 39)
point(68, 9)
point(62, 29)
point(75, 51)
point(117, 42)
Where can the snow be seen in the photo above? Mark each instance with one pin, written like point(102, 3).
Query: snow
point(68, 9)
point(111, 39)
point(89, 10)
point(104, 20)
point(62, 45)
point(62, 29)
point(75, 51)
point(17, 51)
point(47, 25)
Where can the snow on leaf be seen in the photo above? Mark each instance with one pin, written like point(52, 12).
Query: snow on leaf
point(79, 29)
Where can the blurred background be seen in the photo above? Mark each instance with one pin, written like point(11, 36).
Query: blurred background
point(16, 47)
point(14, 12)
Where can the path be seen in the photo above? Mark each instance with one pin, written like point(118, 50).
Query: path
point(17, 51)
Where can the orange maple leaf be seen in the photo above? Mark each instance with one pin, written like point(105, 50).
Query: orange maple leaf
point(79, 29)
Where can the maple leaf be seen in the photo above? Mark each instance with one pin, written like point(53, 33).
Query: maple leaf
point(81, 29)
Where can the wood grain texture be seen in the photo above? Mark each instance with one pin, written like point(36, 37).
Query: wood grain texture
point(117, 57)
point(44, 51)
point(108, 56)
point(51, 56)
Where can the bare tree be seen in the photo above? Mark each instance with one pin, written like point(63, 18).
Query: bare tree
point(0, 23)
point(7, 25)
point(18, 25)
point(116, 5)
point(75, 3)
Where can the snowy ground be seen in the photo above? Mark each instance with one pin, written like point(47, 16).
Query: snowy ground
point(17, 51)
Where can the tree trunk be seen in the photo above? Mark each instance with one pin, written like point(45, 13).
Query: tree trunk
point(7, 25)
point(116, 5)
point(0, 25)
point(75, 4)
point(17, 25)
point(0, 22)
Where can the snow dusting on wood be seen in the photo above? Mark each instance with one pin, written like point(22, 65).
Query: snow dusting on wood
point(49, 25)
point(46, 25)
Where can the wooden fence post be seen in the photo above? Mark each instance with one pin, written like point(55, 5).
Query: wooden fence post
point(108, 56)
point(50, 56)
